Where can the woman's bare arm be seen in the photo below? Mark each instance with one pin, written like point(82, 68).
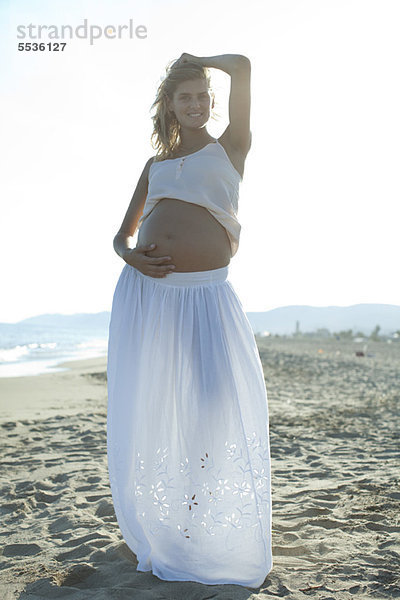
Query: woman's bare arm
point(123, 240)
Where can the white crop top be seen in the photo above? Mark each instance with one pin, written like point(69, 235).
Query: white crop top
point(207, 178)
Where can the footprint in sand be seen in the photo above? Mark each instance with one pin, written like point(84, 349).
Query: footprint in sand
point(21, 550)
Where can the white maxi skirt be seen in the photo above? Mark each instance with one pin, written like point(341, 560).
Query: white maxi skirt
point(188, 430)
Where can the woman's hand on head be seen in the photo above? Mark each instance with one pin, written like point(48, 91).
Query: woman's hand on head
point(148, 265)
point(185, 57)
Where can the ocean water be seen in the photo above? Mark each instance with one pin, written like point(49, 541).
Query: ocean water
point(32, 348)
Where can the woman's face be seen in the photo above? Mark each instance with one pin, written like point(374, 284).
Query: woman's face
point(191, 103)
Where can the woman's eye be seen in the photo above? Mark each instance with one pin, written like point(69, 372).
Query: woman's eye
point(203, 97)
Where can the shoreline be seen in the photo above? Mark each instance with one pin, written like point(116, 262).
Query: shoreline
point(58, 391)
point(45, 366)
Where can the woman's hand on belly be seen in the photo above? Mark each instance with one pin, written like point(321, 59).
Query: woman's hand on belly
point(148, 265)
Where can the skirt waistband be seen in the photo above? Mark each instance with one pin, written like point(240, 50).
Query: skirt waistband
point(187, 278)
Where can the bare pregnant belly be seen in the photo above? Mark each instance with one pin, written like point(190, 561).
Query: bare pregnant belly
point(188, 233)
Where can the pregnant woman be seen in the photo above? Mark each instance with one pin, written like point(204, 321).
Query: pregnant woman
point(187, 421)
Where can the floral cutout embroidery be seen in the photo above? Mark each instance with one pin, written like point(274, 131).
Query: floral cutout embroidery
point(228, 497)
point(203, 459)
point(190, 502)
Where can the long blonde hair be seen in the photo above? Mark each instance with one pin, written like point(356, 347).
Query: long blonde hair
point(166, 128)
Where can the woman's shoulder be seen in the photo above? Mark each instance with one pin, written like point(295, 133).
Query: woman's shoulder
point(150, 161)
point(146, 169)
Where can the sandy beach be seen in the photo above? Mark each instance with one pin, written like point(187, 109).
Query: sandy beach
point(334, 430)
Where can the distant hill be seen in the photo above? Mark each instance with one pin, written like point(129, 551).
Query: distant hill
point(359, 317)
point(282, 320)
point(98, 320)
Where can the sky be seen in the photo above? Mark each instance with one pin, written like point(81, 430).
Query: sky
point(319, 203)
